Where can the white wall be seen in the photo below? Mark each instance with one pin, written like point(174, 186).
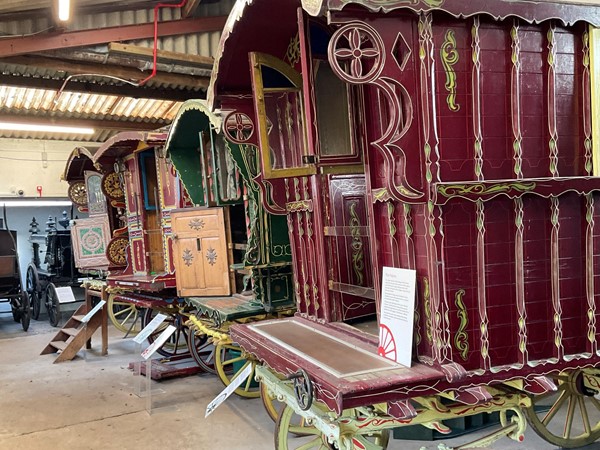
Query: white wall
point(28, 163)
point(19, 219)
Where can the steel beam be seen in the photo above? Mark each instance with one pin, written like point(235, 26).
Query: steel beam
point(70, 39)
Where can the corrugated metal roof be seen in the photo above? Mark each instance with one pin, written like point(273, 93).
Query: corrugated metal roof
point(39, 103)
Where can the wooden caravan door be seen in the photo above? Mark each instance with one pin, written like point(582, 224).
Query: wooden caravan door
point(201, 254)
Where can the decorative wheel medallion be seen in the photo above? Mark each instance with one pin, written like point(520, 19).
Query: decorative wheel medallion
point(211, 256)
point(116, 252)
point(92, 243)
point(238, 127)
point(77, 193)
point(111, 186)
point(356, 53)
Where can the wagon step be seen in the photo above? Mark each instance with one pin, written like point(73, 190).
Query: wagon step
point(74, 335)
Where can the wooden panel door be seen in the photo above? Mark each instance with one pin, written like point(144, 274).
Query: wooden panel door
point(201, 252)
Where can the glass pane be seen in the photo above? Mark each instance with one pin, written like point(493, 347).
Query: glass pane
point(333, 116)
point(285, 127)
point(96, 199)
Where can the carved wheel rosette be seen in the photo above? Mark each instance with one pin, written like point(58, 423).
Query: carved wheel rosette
point(357, 53)
point(77, 193)
point(238, 127)
point(112, 187)
point(116, 251)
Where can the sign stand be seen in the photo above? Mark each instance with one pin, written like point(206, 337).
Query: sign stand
point(85, 320)
point(147, 357)
point(139, 361)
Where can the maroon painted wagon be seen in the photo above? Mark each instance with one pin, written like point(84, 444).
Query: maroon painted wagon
point(453, 138)
point(145, 278)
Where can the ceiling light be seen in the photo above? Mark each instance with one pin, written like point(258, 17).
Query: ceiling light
point(64, 10)
point(44, 128)
point(32, 203)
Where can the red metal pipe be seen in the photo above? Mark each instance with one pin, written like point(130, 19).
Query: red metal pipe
point(155, 49)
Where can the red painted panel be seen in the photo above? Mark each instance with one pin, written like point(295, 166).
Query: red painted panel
point(537, 271)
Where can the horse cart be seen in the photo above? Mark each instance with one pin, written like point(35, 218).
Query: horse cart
point(458, 140)
point(11, 289)
point(46, 278)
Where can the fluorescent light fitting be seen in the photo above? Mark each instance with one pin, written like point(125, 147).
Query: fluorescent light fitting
point(64, 10)
point(34, 203)
point(44, 128)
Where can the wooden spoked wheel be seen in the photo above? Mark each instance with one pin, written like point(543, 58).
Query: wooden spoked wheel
point(569, 417)
point(229, 361)
point(176, 345)
point(25, 311)
point(124, 316)
point(202, 350)
point(274, 408)
point(52, 305)
point(33, 288)
point(289, 436)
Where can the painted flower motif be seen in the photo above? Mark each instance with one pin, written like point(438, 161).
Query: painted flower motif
point(188, 257)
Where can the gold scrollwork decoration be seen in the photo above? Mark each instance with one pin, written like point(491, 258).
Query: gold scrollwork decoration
point(427, 308)
point(483, 189)
point(358, 263)
point(196, 224)
point(449, 56)
point(301, 205)
point(461, 339)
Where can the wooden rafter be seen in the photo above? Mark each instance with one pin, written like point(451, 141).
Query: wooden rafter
point(163, 56)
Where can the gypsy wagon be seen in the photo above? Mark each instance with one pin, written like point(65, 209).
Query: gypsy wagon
point(452, 138)
point(99, 240)
point(231, 254)
point(146, 279)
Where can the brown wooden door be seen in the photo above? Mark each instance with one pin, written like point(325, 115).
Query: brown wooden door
point(200, 249)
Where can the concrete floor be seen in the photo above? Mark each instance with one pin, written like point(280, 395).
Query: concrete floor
point(90, 404)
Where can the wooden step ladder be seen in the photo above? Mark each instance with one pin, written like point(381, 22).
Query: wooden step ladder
point(75, 334)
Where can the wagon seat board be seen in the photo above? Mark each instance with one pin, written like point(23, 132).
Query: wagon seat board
point(471, 133)
point(232, 257)
point(151, 190)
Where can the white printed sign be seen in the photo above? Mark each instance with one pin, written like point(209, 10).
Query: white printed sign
point(162, 338)
point(149, 329)
point(225, 393)
point(94, 310)
point(397, 314)
point(65, 294)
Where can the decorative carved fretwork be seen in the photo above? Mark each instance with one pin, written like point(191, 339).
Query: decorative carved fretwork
point(211, 256)
point(196, 224)
point(187, 257)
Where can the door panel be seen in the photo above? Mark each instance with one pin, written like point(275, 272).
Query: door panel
point(201, 252)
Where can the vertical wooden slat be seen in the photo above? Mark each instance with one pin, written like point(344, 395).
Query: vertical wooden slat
point(481, 286)
point(476, 92)
point(520, 281)
point(589, 276)
point(594, 44)
point(553, 141)
point(555, 275)
point(515, 101)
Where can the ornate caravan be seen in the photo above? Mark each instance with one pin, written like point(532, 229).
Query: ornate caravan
point(232, 255)
point(456, 139)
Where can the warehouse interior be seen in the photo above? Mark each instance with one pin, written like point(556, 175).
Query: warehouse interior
point(75, 85)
